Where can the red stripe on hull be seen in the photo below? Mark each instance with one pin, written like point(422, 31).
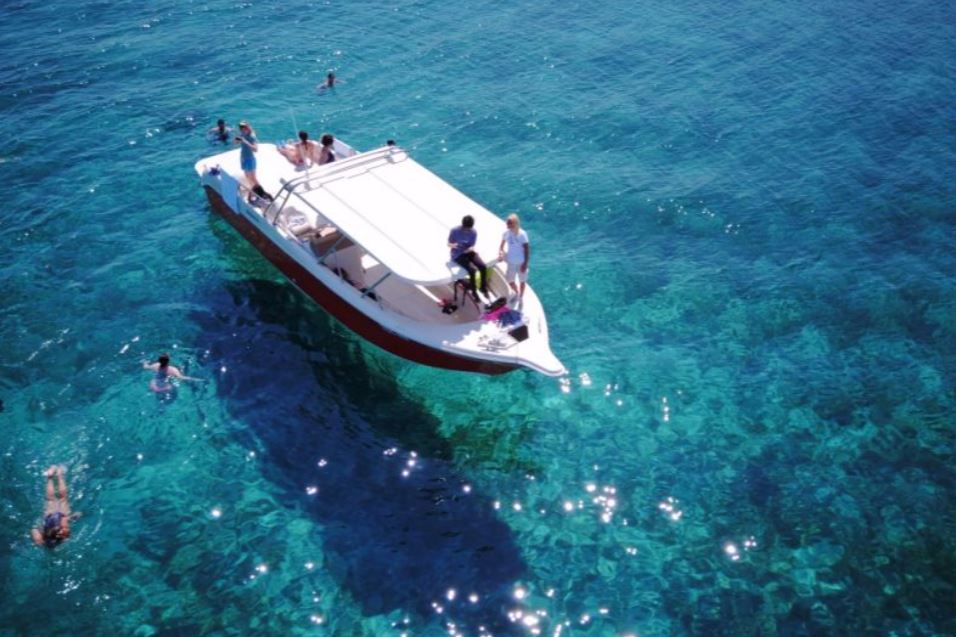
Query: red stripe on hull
point(341, 309)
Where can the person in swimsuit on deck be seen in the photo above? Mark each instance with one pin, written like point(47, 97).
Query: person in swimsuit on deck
point(56, 511)
point(303, 153)
point(247, 158)
point(327, 153)
point(161, 383)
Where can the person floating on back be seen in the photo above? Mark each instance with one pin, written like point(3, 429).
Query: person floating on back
point(462, 241)
point(162, 383)
point(517, 256)
point(247, 158)
point(55, 528)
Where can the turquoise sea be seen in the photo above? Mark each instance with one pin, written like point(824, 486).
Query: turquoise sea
point(742, 217)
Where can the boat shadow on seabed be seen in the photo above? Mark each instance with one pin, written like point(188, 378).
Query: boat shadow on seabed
point(400, 526)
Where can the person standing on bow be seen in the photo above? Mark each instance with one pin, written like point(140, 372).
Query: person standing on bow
point(249, 146)
point(462, 241)
point(517, 256)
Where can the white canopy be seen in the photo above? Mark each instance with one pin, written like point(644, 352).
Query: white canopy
point(399, 211)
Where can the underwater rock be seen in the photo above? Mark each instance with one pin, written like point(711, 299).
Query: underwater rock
point(184, 561)
point(606, 568)
point(820, 555)
point(145, 630)
point(830, 588)
point(805, 579)
point(760, 487)
point(711, 615)
point(820, 613)
point(895, 529)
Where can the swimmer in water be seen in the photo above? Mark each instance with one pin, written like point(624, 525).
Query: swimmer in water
point(161, 383)
point(220, 132)
point(330, 81)
point(55, 528)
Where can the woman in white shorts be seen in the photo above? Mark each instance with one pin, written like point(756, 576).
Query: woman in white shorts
point(517, 254)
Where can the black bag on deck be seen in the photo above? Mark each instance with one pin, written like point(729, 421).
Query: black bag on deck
point(494, 305)
point(519, 333)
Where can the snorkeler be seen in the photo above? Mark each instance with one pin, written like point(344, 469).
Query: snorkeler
point(56, 511)
point(161, 383)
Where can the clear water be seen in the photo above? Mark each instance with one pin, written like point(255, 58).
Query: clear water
point(742, 217)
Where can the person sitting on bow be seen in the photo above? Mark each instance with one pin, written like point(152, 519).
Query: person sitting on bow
point(461, 241)
point(303, 153)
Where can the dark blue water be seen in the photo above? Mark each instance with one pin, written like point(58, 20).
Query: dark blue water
point(741, 217)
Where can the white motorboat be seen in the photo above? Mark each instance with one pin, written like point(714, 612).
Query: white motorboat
point(366, 237)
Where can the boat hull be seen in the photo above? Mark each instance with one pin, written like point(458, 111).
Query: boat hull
point(344, 312)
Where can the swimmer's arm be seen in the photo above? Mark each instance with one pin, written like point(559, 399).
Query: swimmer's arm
point(175, 373)
point(37, 537)
point(152, 366)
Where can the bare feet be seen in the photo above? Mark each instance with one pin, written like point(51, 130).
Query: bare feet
point(51, 470)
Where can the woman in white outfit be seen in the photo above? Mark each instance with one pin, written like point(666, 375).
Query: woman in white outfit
point(516, 251)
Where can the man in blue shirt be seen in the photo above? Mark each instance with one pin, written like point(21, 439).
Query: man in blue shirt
point(462, 240)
